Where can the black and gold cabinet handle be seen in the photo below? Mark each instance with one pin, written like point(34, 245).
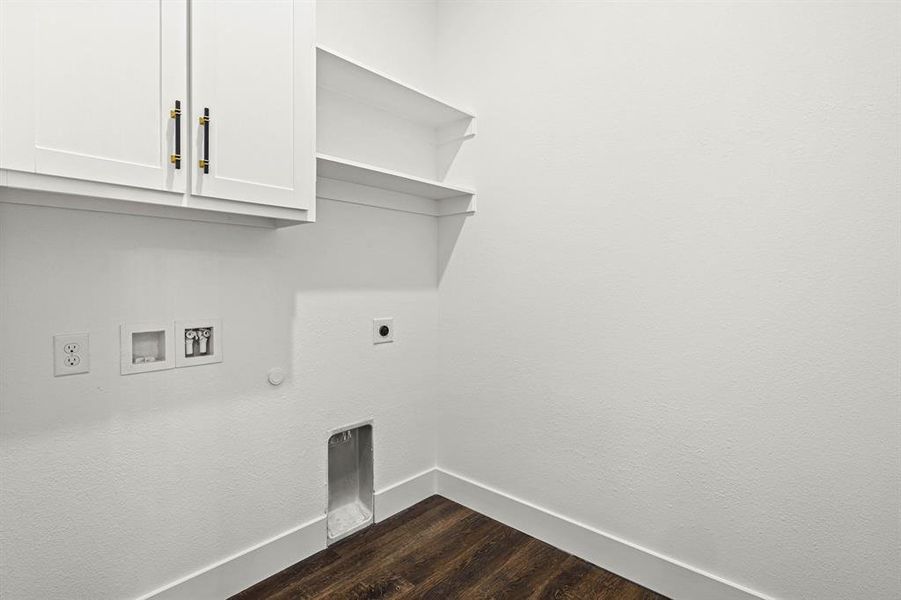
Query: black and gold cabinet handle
point(204, 163)
point(175, 113)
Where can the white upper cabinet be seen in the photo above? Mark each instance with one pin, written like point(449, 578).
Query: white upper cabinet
point(98, 111)
point(87, 89)
point(253, 86)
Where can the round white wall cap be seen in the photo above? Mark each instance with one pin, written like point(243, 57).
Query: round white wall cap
point(276, 376)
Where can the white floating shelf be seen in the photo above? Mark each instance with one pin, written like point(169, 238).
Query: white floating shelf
point(359, 183)
point(341, 169)
point(346, 76)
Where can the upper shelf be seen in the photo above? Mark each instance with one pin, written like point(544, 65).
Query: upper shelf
point(343, 75)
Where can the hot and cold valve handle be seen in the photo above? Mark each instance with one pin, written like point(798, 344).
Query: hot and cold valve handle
point(204, 336)
point(190, 336)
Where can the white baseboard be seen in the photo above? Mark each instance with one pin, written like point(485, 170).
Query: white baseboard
point(645, 567)
point(239, 572)
point(404, 494)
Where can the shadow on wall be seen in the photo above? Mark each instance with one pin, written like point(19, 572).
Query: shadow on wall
point(121, 268)
point(456, 135)
point(449, 230)
point(358, 248)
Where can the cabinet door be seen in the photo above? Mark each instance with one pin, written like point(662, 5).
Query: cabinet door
point(87, 88)
point(253, 71)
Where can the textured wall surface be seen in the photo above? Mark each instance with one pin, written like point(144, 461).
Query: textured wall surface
point(113, 486)
point(675, 317)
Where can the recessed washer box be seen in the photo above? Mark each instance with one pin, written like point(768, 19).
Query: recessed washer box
point(198, 342)
point(145, 347)
point(350, 481)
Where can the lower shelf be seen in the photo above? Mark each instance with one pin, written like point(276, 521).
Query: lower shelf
point(359, 183)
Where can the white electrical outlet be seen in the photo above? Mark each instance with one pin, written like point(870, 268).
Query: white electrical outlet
point(383, 330)
point(71, 354)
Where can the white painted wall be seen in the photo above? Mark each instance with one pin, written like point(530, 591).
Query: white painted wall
point(112, 486)
point(393, 36)
point(675, 317)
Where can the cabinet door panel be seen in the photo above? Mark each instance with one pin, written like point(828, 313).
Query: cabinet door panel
point(253, 67)
point(88, 87)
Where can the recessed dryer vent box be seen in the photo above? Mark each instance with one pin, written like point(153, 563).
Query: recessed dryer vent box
point(145, 347)
point(350, 479)
point(198, 342)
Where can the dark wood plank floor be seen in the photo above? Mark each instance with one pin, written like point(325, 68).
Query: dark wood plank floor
point(442, 550)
